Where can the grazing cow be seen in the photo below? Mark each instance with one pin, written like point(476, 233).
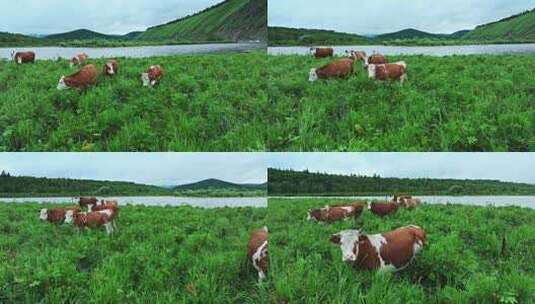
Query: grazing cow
point(80, 80)
point(108, 205)
point(322, 52)
point(95, 219)
point(390, 251)
point(257, 251)
point(337, 68)
point(80, 59)
point(86, 201)
point(393, 71)
point(335, 213)
point(56, 215)
point(409, 202)
point(23, 57)
point(383, 208)
point(111, 68)
point(152, 76)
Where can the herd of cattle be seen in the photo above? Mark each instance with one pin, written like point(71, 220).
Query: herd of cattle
point(387, 251)
point(377, 66)
point(87, 75)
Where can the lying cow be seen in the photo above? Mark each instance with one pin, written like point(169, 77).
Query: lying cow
point(79, 60)
point(409, 202)
point(332, 214)
point(257, 251)
point(95, 219)
point(80, 80)
point(337, 68)
point(56, 215)
point(152, 76)
point(389, 251)
point(23, 57)
point(389, 71)
point(383, 208)
point(111, 68)
point(87, 201)
point(322, 52)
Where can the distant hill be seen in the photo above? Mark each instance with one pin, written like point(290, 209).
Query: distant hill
point(460, 34)
point(409, 34)
point(215, 184)
point(230, 20)
point(82, 34)
point(289, 182)
point(516, 27)
point(17, 39)
point(300, 36)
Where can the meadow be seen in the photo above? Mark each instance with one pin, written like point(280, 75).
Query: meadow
point(212, 102)
point(158, 255)
point(465, 261)
point(455, 103)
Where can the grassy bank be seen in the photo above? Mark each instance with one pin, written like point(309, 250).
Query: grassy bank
point(463, 263)
point(98, 43)
point(457, 103)
point(204, 103)
point(170, 255)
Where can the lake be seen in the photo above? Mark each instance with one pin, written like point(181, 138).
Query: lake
point(416, 50)
point(204, 202)
point(498, 201)
point(134, 52)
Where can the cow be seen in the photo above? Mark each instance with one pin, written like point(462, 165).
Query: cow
point(95, 219)
point(23, 57)
point(79, 60)
point(152, 76)
point(86, 201)
point(330, 214)
point(392, 71)
point(257, 251)
point(80, 80)
point(56, 215)
point(374, 59)
point(383, 208)
point(108, 205)
point(334, 69)
point(409, 202)
point(388, 252)
point(322, 52)
point(357, 55)
point(111, 68)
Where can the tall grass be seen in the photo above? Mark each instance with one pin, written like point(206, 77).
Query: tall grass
point(158, 255)
point(457, 103)
point(204, 103)
point(464, 262)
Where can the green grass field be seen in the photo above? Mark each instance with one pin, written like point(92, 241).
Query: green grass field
point(463, 263)
point(457, 103)
point(204, 103)
point(158, 255)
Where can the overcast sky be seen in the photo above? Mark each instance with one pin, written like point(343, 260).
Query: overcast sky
point(515, 167)
point(383, 16)
point(105, 16)
point(146, 168)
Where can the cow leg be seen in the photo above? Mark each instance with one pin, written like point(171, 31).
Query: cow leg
point(403, 78)
point(109, 228)
point(261, 275)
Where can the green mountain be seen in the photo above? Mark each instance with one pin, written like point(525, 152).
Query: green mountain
point(230, 20)
point(409, 34)
point(216, 184)
point(300, 36)
point(17, 39)
point(460, 34)
point(82, 34)
point(515, 28)
point(289, 182)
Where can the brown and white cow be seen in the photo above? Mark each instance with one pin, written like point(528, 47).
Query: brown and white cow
point(152, 76)
point(80, 59)
point(111, 68)
point(409, 202)
point(358, 55)
point(388, 251)
point(56, 215)
point(84, 78)
point(335, 69)
point(383, 208)
point(389, 71)
point(375, 59)
point(257, 251)
point(108, 205)
point(322, 52)
point(95, 219)
point(330, 214)
point(23, 57)
point(87, 201)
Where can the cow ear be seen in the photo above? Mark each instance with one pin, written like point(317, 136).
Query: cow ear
point(335, 239)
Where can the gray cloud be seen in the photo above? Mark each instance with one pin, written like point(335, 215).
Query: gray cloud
point(516, 167)
point(147, 168)
point(382, 16)
point(106, 16)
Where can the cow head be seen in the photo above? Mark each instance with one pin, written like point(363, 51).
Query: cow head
point(12, 54)
point(69, 217)
point(313, 75)
point(145, 79)
point(347, 240)
point(312, 51)
point(43, 215)
point(62, 85)
point(371, 70)
point(313, 214)
point(260, 260)
point(109, 68)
